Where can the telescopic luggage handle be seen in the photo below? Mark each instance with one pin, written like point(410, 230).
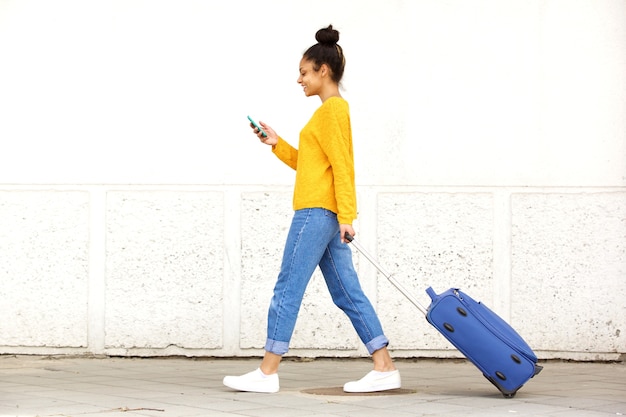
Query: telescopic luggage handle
point(387, 275)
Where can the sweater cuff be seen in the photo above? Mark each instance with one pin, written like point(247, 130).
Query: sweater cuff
point(344, 220)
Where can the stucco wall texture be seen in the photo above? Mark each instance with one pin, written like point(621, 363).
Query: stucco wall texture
point(147, 272)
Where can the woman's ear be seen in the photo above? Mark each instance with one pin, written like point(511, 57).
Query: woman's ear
point(324, 70)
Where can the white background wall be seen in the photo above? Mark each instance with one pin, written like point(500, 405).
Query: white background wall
point(138, 215)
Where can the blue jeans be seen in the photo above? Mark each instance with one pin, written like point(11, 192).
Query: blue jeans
point(314, 240)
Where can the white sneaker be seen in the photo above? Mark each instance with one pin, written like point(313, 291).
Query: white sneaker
point(255, 381)
point(375, 381)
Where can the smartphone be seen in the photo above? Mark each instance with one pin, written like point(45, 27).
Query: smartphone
point(257, 126)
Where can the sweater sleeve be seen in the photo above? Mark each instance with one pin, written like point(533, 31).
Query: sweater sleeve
point(336, 141)
point(286, 153)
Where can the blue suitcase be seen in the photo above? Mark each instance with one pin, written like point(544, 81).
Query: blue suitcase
point(485, 339)
point(489, 342)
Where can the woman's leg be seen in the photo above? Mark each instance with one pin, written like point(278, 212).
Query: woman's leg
point(382, 360)
point(343, 284)
point(308, 237)
point(270, 363)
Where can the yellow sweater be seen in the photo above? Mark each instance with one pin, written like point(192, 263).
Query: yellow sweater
point(324, 162)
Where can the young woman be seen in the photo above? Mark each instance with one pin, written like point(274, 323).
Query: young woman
point(325, 206)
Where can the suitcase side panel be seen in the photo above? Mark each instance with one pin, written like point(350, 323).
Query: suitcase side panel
point(504, 365)
point(497, 325)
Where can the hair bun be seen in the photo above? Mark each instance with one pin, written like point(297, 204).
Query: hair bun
point(327, 36)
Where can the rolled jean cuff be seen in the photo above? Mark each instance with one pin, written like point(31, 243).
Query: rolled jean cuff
point(276, 347)
point(377, 343)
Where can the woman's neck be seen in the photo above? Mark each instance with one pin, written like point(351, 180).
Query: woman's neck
point(331, 91)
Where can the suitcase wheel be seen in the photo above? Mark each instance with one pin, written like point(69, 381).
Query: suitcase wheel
point(505, 393)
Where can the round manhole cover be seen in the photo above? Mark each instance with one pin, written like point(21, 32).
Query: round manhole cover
point(338, 391)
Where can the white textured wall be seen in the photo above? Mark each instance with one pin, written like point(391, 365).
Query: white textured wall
point(164, 269)
point(138, 216)
point(44, 268)
point(569, 263)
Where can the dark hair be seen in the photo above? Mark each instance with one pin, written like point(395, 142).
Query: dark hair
point(327, 51)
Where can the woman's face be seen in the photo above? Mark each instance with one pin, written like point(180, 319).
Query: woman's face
point(309, 79)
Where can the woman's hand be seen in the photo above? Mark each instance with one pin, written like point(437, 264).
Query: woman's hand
point(343, 228)
point(270, 139)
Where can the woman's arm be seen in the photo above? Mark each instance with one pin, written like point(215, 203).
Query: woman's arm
point(286, 153)
point(336, 141)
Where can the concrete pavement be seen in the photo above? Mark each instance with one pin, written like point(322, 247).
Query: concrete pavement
point(179, 387)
